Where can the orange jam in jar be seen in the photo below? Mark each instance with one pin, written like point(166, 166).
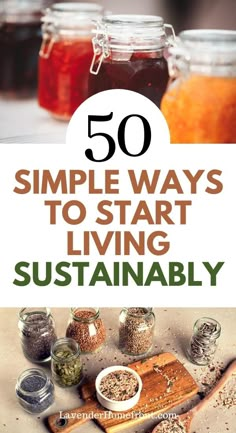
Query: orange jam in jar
point(200, 103)
point(129, 53)
point(65, 57)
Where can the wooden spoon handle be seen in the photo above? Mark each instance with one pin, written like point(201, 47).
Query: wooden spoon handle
point(226, 376)
point(66, 421)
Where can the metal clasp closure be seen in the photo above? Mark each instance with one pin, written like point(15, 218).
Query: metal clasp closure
point(49, 38)
point(173, 67)
point(178, 62)
point(171, 37)
point(46, 47)
point(100, 49)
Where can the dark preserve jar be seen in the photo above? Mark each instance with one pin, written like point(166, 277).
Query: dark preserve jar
point(20, 39)
point(129, 54)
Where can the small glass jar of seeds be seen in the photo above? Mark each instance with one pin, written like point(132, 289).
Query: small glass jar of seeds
point(66, 362)
point(136, 330)
point(37, 333)
point(34, 391)
point(203, 343)
point(87, 328)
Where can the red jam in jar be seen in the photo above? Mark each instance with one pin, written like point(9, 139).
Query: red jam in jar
point(65, 57)
point(20, 40)
point(129, 54)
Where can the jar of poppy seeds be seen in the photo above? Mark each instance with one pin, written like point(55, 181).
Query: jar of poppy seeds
point(34, 391)
point(37, 333)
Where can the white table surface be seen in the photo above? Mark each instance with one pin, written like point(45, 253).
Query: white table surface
point(23, 121)
point(173, 330)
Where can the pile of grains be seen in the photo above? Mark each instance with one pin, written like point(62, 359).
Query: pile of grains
point(229, 401)
point(203, 343)
point(136, 331)
point(87, 328)
point(208, 377)
point(35, 392)
point(119, 385)
point(37, 333)
point(170, 426)
point(66, 368)
point(226, 398)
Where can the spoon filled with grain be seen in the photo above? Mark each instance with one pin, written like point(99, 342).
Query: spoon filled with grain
point(183, 423)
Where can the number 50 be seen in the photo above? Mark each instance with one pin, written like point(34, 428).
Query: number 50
point(120, 136)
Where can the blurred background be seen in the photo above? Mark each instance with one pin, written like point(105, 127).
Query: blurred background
point(182, 14)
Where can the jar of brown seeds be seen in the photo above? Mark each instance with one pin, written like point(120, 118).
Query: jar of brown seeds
point(136, 330)
point(87, 328)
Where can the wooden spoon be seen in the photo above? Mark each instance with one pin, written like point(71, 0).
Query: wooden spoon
point(185, 419)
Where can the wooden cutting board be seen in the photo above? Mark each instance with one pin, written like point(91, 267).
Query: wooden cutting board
point(166, 383)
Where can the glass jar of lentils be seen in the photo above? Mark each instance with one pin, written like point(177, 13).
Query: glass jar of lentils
point(203, 343)
point(66, 364)
point(37, 333)
point(136, 330)
point(87, 328)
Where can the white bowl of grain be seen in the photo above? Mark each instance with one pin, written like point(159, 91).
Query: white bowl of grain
point(118, 388)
